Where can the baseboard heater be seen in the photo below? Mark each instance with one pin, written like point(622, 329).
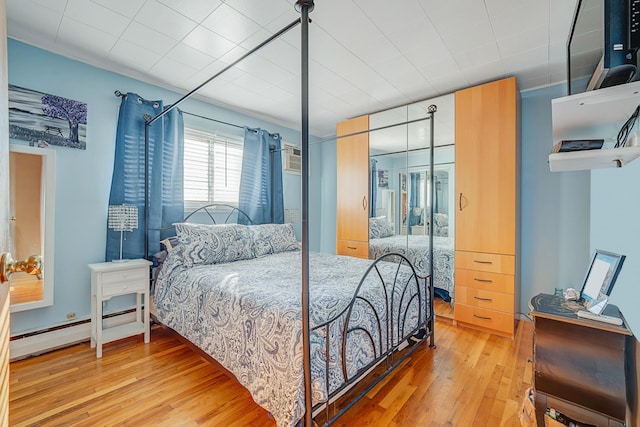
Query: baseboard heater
point(35, 343)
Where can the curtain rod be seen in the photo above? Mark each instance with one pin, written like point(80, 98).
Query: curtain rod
point(213, 120)
point(123, 95)
point(252, 51)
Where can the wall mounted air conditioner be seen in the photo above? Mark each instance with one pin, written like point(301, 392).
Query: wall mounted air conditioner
point(291, 158)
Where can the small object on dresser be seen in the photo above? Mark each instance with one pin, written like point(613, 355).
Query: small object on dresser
point(571, 294)
point(567, 145)
point(599, 317)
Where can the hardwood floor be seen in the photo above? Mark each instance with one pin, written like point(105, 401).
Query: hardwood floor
point(25, 288)
point(471, 378)
point(443, 308)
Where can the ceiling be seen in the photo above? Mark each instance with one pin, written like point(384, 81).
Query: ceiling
point(365, 55)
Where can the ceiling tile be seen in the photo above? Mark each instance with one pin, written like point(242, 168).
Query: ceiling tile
point(148, 38)
point(484, 73)
point(526, 60)
point(461, 41)
point(172, 71)
point(57, 6)
point(196, 10)
point(283, 54)
point(264, 10)
point(389, 18)
point(524, 40)
point(128, 8)
point(208, 42)
point(132, 55)
point(164, 20)
point(230, 24)
point(478, 55)
point(93, 15)
point(20, 18)
point(78, 35)
point(189, 56)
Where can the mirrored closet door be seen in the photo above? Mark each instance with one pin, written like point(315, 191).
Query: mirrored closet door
point(386, 205)
point(400, 171)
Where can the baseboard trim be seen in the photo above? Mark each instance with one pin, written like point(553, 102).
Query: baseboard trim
point(43, 341)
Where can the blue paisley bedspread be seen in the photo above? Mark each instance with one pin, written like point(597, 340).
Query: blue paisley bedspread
point(247, 315)
point(418, 255)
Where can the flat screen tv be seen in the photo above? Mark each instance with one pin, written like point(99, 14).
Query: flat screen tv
point(603, 44)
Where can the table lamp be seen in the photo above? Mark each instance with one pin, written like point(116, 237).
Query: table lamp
point(122, 218)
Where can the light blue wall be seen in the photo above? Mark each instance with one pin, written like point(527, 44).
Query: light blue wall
point(83, 177)
point(554, 246)
point(615, 227)
point(322, 201)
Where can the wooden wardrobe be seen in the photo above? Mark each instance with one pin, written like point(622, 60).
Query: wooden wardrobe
point(352, 204)
point(486, 236)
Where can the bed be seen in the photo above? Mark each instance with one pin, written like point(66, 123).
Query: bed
point(389, 306)
point(382, 240)
point(234, 292)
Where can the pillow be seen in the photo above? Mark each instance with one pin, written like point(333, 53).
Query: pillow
point(272, 239)
point(379, 227)
point(169, 243)
point(214, 244)
point(440, 219)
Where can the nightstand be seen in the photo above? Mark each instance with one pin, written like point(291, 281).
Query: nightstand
point(110, 279)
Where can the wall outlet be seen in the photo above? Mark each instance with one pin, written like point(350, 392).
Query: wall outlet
point(71, 316)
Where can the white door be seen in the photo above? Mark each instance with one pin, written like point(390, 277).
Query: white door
point(4, 217)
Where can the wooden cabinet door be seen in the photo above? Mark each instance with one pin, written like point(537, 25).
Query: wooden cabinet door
point(352, 221)
point(486, 162)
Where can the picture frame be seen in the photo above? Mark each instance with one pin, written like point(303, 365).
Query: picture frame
point(601, 275)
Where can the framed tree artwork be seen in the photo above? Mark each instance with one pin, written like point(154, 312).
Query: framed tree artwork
point(43, 119)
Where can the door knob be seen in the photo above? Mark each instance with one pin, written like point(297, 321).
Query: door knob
point(8, 266)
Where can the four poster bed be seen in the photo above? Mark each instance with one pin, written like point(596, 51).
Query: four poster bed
point(297, 329)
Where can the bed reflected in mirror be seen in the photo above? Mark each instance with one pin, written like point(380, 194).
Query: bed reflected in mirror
point(32, 192)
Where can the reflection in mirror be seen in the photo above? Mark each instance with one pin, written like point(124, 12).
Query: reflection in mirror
point(32, 192)
point(401, 158)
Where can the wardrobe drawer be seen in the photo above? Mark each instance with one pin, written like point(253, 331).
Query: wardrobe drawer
point(484, 299)
point(125, 275)
point(484, 280)
point(486, 319)
point(353, 248)
point(493, 263)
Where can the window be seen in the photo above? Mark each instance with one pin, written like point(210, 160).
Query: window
point(212, 165)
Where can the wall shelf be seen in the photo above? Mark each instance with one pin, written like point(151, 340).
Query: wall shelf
point(592, 159)
point(593, 115)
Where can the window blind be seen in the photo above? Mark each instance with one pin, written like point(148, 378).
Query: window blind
point(212, 165)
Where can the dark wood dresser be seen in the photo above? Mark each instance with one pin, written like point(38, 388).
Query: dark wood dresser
point(583, 368)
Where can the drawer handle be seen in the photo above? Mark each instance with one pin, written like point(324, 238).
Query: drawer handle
point(483, 299)
point(482, 317)
point(482, 262)
point(351, 247)
point(460, 202)
point(483, 280)
point(364, 203)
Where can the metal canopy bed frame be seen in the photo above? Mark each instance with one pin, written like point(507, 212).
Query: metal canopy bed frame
point(396, 337)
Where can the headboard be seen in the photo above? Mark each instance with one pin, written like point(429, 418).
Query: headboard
point(219, 208)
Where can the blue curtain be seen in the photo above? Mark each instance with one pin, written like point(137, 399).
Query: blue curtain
point(414, 197)
point(261, 178)
point(373, 187)
point(166, 192)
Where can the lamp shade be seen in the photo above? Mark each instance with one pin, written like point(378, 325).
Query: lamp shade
point(123, 217)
